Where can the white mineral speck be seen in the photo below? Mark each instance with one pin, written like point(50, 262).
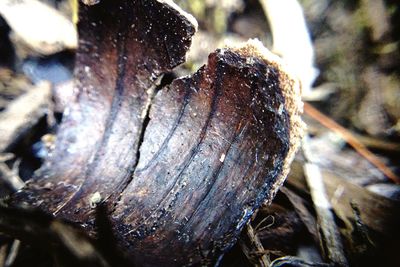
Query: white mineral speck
point(280, 109)
point(95, 199)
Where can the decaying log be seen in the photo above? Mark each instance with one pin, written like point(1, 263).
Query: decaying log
point(180, 170)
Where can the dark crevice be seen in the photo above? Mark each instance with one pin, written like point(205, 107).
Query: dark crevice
point(141, 135)
point(165, 80)
point(175, 126)
point(215, 99)
point(163, 83)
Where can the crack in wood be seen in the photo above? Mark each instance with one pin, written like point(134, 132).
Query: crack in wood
point(182, 169)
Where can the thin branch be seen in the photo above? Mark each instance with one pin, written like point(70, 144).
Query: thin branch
point(291, 39)
point(330, 235)
point(366, 140)
point(10, 177)
point(351, 140)
point(3, 254)
point(254, 245)
point(12, 255)
point(294, 261)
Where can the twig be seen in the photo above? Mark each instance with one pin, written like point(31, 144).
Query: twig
point(3, 254)
point(22, 114)
point(254, 245)
point(10, 177)
point(12, 255)
point(368, 141)
point(299, 206)
point(351, 140)
point(294, 261)
point(377, 143)
point(332, 247)
point(6, 156)
point(291, 39)
point(258, 226)
point(342, 192)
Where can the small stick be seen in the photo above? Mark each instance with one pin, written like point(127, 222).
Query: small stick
point(13, 253)
point(291, 39)
point(255, 246)
point(368, 141)
point(3, 254)
point(351, 140)
point(10, 177)
point(333, 247)
point(295, 261)
point(301, 209)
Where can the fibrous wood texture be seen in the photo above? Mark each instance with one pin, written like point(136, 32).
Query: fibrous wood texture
point(181, 170)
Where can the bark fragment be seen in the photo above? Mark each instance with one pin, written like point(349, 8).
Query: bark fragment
point(217, 145)
point(124, 47)
point(182, 195)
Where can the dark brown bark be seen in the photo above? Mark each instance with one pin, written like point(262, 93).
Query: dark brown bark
point(214, 146)
point(217, 145)
point(124, 47)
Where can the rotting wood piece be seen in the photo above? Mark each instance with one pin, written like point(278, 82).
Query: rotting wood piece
point(217, 145)
point(124, 47)
point(213, 151)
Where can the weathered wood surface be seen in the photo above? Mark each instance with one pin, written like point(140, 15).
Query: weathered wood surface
point(182, 173)
point(122, 51)
point(215, 146)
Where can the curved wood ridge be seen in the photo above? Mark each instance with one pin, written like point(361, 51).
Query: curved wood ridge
point(124, 47)
point(215, 146)
point(218, 143)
